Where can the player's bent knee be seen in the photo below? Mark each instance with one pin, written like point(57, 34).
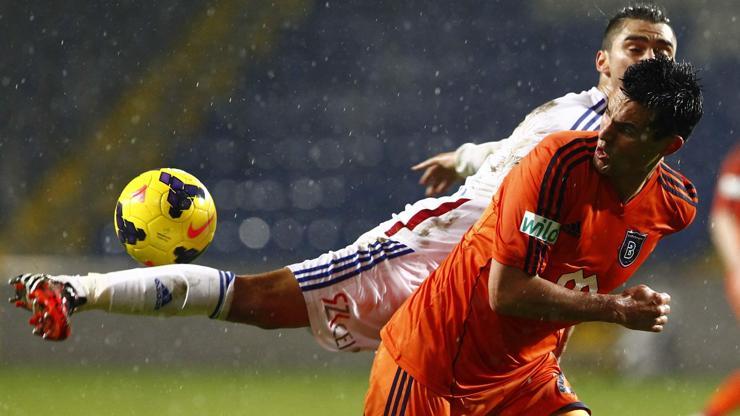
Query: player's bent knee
point(577, 412)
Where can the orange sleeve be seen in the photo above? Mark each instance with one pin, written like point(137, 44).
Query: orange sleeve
point(528, 206)
point(516, 196)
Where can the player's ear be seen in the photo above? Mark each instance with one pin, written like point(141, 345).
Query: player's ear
point(602, 62)
point(676, 142)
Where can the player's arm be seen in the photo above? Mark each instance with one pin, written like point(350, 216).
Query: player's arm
point(725, 234)
point(469, 157)
point(513, 292)
point(444, 169)
point(725, 225)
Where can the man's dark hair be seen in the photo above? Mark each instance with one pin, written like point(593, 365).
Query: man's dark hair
point(670, 90)
point(647, 12)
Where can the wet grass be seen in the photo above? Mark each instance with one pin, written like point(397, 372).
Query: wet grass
point(111, 391)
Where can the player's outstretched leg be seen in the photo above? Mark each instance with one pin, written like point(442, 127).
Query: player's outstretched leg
point(267, 300)
point(51, 302)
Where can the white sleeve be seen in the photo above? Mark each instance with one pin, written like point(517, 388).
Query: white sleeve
point(470, 156)
point(537, 124)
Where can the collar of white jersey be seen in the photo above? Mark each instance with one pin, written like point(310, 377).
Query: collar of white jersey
point(596, 95)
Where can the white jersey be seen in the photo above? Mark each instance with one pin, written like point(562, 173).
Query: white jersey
point(486, 164)
point(351, 293)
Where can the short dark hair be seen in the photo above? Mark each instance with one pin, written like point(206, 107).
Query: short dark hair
point(647, 12)
point(670, 90)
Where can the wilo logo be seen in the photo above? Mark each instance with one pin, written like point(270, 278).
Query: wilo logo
point(540, 228)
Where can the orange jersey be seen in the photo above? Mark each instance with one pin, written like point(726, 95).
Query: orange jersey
point(728, 185)
point(554, 216)
point(727, 199)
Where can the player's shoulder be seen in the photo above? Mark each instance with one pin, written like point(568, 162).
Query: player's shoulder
point(571, 104)
point(589, 105)
point(587, 98)
point(680, 194)
point(563, 148)
point(569, 140)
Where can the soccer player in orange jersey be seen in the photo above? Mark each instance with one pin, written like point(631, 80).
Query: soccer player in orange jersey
point(346, 295)
point(725, 231)
point(572, 222)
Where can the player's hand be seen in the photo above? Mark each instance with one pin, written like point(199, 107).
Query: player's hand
point(439, 173)
point(643, 309)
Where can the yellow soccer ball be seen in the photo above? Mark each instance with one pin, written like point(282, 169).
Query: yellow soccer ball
point(165, 216)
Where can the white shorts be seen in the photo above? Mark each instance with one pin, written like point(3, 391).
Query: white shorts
point(351, 293)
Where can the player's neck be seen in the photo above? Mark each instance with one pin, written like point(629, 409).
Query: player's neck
point(604, 86)
point(628, 185)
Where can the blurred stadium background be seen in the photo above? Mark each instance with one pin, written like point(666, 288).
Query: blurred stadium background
point(303, 119)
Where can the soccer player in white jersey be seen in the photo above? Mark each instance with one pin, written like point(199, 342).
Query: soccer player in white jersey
point(347, 295)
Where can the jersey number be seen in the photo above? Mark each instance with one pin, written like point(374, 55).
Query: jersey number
point(576, 281)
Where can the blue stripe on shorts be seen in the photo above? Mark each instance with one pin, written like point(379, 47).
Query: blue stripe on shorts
point(338, 270)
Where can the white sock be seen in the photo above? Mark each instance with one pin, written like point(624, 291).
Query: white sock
point(178, 289)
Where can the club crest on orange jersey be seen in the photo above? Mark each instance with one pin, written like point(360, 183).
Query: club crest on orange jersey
point(630, 249)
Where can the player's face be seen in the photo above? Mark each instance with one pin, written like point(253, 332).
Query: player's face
point(635, 41)
point(627, 146)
